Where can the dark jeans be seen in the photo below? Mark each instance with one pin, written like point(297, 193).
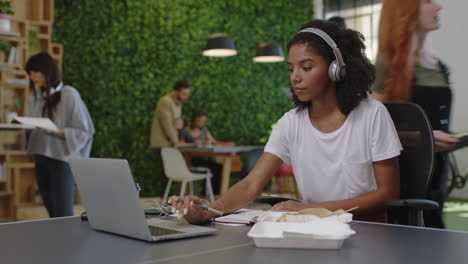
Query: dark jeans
point(56, 185)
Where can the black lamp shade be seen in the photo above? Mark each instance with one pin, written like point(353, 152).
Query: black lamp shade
point(219, 45)
point(269, 52)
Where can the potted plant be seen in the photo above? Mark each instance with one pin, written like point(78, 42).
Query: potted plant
point(5, 12)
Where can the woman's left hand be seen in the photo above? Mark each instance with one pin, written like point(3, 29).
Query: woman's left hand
point(292, 206)
point(59, 133)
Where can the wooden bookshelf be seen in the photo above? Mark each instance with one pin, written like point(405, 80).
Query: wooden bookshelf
point(31, 32)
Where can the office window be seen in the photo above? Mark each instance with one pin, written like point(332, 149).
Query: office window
point(360, 15)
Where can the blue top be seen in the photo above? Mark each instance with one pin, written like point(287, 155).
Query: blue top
point(188, 138)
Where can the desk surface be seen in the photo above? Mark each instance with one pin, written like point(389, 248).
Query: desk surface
point(69, 240)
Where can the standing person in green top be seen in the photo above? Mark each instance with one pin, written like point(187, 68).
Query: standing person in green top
point(405, 71)
point(167, 117)
point(167, 121)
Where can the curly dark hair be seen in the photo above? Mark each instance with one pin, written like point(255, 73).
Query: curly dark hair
point(360, 72)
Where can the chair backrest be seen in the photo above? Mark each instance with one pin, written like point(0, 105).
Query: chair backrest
point(272, 200)
point(417, 157)
point(174, 164)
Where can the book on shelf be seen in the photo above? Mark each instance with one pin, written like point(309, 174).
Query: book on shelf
point(37, 122)
point(3, 170)
point(12, 56)
point(16, 81)
point(10, 34)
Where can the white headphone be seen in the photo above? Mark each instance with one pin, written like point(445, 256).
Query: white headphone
point(52, 90)
point(337, 68)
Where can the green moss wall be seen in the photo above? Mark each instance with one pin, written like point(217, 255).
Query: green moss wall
point(124, 55)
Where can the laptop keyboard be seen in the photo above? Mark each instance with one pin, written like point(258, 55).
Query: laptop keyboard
point(159, 231)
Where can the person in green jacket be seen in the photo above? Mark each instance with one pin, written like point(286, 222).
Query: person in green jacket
point(167, 121)
point(167, 117)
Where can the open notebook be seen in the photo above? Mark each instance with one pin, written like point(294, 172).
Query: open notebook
point(37, 122)
point(463, 137)
point(248, 217)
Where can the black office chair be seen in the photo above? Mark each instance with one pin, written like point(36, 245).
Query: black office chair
point(272, 200)
point(416, 164)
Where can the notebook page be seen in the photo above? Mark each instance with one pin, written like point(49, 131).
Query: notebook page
point(43, 123)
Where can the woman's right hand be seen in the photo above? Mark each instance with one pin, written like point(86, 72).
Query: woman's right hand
point(444, 141)
point(188, 210)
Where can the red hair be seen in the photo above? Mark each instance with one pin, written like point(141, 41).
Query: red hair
point(398, 21)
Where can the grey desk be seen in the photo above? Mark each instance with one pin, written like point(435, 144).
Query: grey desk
point(68, 240)
point(218, 151)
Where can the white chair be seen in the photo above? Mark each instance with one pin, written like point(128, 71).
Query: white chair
point(176, 169)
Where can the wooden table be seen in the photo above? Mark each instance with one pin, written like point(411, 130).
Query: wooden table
point(218, 151)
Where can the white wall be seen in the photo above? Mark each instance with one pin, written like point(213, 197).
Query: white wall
point(450, 43)
point(318, 8)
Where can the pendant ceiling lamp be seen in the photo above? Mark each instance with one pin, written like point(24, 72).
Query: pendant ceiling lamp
point(269, 52)
point(220, 45)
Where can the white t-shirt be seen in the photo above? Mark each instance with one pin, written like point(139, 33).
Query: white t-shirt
point(337, 165)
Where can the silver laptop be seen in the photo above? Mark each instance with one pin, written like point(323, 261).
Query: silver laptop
point(111, 201)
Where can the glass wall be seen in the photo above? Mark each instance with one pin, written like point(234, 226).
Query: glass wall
point(360, 15)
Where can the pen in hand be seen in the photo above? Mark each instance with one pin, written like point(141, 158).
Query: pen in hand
point(204, 207)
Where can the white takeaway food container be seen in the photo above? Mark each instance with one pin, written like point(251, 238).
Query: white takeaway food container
point(326, 233)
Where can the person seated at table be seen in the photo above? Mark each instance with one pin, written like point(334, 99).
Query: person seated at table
point(342, 145)
point(199, 134)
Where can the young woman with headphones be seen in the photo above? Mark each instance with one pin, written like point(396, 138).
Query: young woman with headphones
point(342, 146)
point(52, 150)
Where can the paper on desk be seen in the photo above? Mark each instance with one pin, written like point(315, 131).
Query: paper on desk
point(38, 122)
point(243, 217)
point(249, 216)
point(328, 227)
